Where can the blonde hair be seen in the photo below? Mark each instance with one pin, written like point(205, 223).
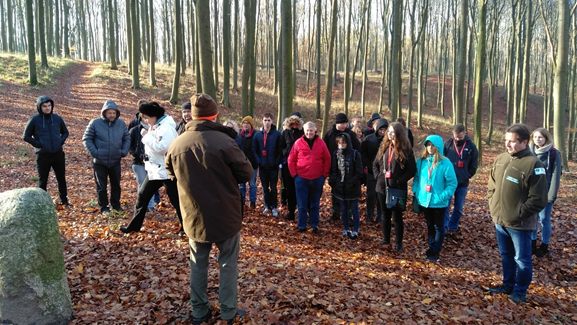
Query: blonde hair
point(358, 129)
point(436, 156)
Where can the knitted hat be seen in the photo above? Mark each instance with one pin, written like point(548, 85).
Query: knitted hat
point(185, 106)
point(151, 109)
point(297, 114)
point(249, 120)
point(341, 118)
point(203, 107)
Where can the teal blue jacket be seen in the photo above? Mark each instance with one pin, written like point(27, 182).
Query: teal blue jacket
point(443, 180)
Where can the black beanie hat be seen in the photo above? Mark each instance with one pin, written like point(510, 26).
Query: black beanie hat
point(151, 109)
point(341, 118)
point(186, 106)
point(297, 114)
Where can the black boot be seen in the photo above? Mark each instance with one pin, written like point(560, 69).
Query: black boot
point(542, 251)
point(533, 247)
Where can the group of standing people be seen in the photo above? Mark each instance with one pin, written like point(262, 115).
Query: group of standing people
point(523, 184)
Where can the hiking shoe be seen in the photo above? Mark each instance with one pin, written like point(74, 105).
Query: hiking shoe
point(317, 231)
point(501, 289)
point(302, 229)
point(542, 251)
point(266, 211)
point(239, 314)
point(399, 248)
point(346, 233)
point(274, 212)
point(354, 235)
point(204, 319)
point(518, 298)
point(426, 254)
point(150, 209)
point(253, 205)
point(385, 242)
point(433, 258)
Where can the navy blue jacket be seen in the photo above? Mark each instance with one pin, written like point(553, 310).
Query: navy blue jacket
point(470, 158)
point(273, 153)
point(45, 132)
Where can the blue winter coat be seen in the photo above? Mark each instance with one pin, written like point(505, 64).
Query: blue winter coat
point(273, 151)
point(443, 180)
point(107, 142)
point(45, 132)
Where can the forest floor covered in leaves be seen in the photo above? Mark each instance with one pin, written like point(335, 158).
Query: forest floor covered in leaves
point(285, 277)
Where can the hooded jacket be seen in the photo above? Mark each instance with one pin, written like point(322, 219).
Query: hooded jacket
point(244, 141)
point(371, 145)
point(45, 132)
point(156, 143)
point(517, 190)
point(309, 162)
point(290, 135)
point(106, 141)
point(273, 154)
point(208, 165)
point(467, 153)
point(399, 175)
point(330, 138)
point(551, 159)
point(346, 172)
point(443, 180)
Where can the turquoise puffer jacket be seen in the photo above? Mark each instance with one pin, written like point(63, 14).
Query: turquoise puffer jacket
point(443, 180)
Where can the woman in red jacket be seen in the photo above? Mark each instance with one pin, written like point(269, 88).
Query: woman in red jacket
point(309, 164)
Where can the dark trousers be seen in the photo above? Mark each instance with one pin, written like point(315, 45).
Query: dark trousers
point(101, 175)
point(145, 193)
point(268, 180)
point(56, 161)
point(336, 209)
point(435, 228)
point(372, 198)
point(386, 222)
point(290, 190)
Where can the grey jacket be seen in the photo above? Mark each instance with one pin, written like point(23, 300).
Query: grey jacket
point(107, 142)
point(551, 158)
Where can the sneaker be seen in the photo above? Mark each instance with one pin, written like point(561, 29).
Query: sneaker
point(346, 233)
point(542, 251)
point(354, 235)
point(253, 205)
point(518, 298)
point(501, 289)
point(426, 254)
point(239, 314)
point(265, 211)
point(274, 212)
point(302, 229)
point(290, 216)
point(317, 231)
point(150, 209)
point(433, 258)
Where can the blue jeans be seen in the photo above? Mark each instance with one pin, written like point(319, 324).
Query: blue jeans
point(309, 193)
point(228, 280)
point(515, 249)
point(140, 174)
point(435, 228)
point(545, 221)
point(452, 222)
point(268, 181)
point(352, 205)
point(251, 189)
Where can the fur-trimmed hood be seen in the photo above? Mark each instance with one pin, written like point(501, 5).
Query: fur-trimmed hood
point(292, 119)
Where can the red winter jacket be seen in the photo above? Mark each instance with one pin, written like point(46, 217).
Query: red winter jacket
point(309, 163)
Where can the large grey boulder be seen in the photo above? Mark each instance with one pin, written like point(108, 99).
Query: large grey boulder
point(33, 283)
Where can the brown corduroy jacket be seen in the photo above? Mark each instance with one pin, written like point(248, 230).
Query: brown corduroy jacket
point(208, 165)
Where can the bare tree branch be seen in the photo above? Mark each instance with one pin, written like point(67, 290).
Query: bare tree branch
point(548, 35)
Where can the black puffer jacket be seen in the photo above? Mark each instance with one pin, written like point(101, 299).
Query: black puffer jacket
point(45, 132)
point(330, 139)
point(371, 145)
point(136, 145)
point(346, 172)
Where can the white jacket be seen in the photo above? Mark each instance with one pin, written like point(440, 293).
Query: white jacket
point(156, 143)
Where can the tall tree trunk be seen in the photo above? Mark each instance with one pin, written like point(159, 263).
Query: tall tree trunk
point(135, 46)
point(215, 44)
point(365, 58)
point(11, 33)
point(197, 50)
point(178, 53)
point(32, 78)
point(145, 41)
point(226, 53)
point(395, 83)
point(235, 51)
point(129, 35)
point(83, 31)
point(526, 62)
point(103, 27)
point(152, 56)
point(328, 79)
point(459, 96)
point(479, 71)
point(286, 59)
point(41, 34)
point(347, 59)
point(205, 47)
point(65, 24)
point(572, 85)
point(318, 48)
point(112, 42)
point(518, 67)
point(295, 53)
point(3, 27)
point(276, 45)
point(250, 19)
point(560, 81)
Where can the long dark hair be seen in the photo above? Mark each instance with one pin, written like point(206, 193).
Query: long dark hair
point(401, 147)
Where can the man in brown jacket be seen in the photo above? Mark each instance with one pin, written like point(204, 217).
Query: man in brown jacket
point(208, 165)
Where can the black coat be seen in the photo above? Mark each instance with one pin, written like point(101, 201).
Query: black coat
point(350, 188)
point(399, 175)
point(331, 136)
point(244, 141)
point(136, 145)
point(371, 145)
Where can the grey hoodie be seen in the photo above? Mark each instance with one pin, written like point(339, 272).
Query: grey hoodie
point(107, 141)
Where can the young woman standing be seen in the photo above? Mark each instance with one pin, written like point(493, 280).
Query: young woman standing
point(393, 167)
